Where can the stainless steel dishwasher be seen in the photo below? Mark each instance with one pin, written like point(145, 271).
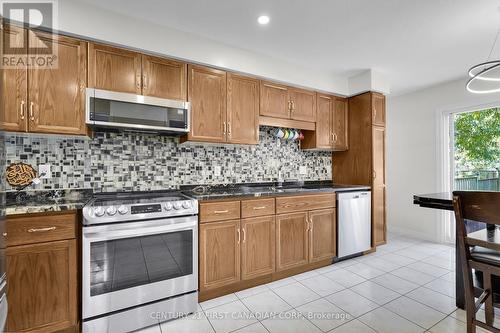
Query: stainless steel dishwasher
point(354, 222)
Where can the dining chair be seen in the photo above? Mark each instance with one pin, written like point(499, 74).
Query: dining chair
point(479, 250)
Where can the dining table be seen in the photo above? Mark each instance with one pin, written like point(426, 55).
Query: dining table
point(478, 230)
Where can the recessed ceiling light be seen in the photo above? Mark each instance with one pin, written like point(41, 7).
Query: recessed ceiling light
point(263, 19)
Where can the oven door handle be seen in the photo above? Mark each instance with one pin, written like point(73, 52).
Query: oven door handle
point(134, 229)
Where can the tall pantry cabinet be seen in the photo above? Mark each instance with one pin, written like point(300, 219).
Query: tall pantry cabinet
point(364, 162)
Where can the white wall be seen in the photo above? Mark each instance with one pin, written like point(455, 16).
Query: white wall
point(412, 152)
point(96, 23)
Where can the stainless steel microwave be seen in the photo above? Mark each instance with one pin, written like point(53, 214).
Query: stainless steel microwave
point(109, 109)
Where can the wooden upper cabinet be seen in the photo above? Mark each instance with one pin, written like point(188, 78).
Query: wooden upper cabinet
point(378, 109)
point(57, 96)
point(219, 254)
point(115, 69)
point(258, 248)
point(378, 155)
point(303, 105)
point(292, 240)
point(324, 121)
point(13, 91)
point(207, 94)
point(42, 289)
point(164, 78)
point(242, 109)
point(322, 235)
point(274, 100)
point(322, 137)
point(339, 124)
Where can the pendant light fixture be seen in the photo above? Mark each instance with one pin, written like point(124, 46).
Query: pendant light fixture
point(485, 77)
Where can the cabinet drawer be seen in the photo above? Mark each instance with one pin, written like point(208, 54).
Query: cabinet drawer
point(259, 207)
point(304, 203)
point(38, 229)
point(219, 211)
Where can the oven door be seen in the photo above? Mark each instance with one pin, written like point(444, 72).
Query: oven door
point(128, 264)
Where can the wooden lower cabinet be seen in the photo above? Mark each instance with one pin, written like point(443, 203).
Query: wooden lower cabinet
point(261, 246)
point(42, 292)
point(219, 254)
point(379, 214)
point(257, 250)
point(323, 239)
point(292, 240)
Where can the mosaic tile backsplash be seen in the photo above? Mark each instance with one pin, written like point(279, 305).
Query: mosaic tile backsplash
point(135, 161)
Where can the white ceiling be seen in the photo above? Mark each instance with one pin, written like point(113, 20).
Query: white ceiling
point(415, 43)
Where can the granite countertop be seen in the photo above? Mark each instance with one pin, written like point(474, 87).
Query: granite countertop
point(39, 201)
point(235, 191)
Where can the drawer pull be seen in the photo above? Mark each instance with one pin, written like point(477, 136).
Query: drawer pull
point(221, 211)
point(259, 207)
point(41, 229)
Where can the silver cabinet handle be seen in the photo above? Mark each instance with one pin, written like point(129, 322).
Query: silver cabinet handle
point(229, 128)
point(23, 103)
point(224, 128)
point(239, 235)
point(244, 233)
point(32, 112)
point(42, 229)
point(221, 211)
point(259, 207)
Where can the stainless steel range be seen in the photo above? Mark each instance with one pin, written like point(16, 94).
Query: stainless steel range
point(140, 260)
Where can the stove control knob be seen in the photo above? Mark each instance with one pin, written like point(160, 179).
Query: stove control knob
point(111, 210)
point(177, 205)
point(99, 211)
point(123, 210)
point(168, 206)
point(186, 204)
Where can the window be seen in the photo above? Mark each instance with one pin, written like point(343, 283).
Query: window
point(476, 150)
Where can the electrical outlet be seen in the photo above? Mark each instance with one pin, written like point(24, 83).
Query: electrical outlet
point(44, 171)
point(217, 170)
point(303, 170)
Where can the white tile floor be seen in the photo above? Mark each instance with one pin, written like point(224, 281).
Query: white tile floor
point(406, 286)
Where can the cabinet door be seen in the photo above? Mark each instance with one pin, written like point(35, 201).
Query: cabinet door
point(292, 240)
point(57, 96)
point(378, 109)
point(207, 94)
point(322, 235)
point(379, 214)
point(219, 254)
point(164, 78)
point(274, 101)
point(323, 121)
point(303, 105)
point(242, 109)
point(42, 288)
point(378, 188)
point(114, 69)
point(339, 124)
point(13, 92)
point(258, 249)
